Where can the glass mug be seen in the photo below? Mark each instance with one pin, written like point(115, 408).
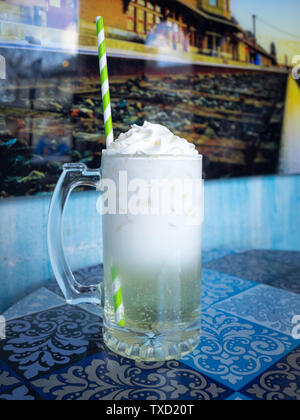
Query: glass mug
point(152, 232)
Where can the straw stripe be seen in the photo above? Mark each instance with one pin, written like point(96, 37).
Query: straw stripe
point(110, 138)
point(106, 115)
point(104, 82)
point(120, 316)
point(116, 285)
point(104, 75)
point(101, 37)
point(103, 62)
point(106, 100)
point(108, 127)
point(118, 298)
point(105, 89)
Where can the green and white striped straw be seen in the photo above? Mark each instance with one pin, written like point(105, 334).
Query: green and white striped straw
point(104, 82)
point(118, 298)
point(116, 283)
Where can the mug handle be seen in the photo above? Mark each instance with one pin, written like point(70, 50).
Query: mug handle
point(74, 175)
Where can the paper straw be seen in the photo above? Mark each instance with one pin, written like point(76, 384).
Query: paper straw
point(104, 82)
point(118, 298)
point(116, 283)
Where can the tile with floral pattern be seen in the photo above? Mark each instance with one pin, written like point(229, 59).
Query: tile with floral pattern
point(286, 257)
point(233, 350)
point(42, 342)
point(219, 286)
point(86, 276)
point(40, 300)
point(106, 376)
point(8, 378)
point(291, 282)
point(268, 306)
point(215, 254)
point(280, 382)
point(251, 267)
point(21, 393)
point(238, 397)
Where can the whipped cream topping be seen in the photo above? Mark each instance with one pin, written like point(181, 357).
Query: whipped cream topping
point(151, 139)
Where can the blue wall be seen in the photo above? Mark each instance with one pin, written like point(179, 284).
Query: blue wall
point(261, 213)
point(245, 213)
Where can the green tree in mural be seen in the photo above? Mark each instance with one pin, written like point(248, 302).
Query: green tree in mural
point(15, 159)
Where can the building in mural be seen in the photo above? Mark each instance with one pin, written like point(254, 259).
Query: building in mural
point(39, 22)
point(185, 64)
point(201, 30)
point(197, 30)
point(56, 14)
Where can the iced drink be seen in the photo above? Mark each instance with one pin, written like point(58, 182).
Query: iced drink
point(154, 249)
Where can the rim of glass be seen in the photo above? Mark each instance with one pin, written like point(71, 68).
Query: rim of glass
point(106, 153)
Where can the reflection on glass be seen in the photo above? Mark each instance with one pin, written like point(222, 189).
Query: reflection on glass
point(185, 68)
point(39, 22)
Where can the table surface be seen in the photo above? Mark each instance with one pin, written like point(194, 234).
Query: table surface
point(248, 349)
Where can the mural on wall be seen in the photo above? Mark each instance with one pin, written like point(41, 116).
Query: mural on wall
point(189, 65)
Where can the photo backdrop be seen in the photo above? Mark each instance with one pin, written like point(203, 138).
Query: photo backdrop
point(211, 74)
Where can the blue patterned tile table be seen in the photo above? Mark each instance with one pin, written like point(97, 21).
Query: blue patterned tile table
point(249, 350)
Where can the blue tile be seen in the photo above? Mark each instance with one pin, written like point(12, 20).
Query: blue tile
point(92, 309)
point(8, 378)
point(280, 382)
point(106, 376)
point(39, 343)
point(215, 254)
point(86, 276)
point(291, 282)
point(238, 397)
point(249, 267)
point(21, 393)
point(40, 300)
point(286, 257)
point(54, 288)
point(218, 286)
point(233, 351)
point(265, 305)
point(90, 275)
